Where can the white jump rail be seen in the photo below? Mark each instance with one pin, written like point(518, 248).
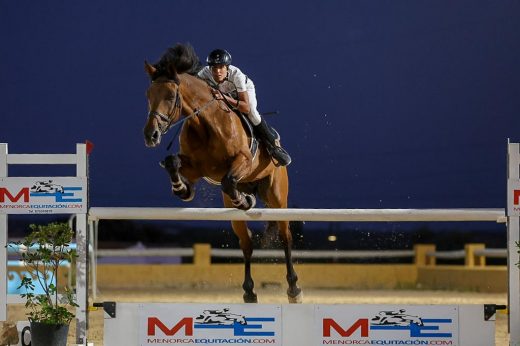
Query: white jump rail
point(79, 159)
point(350, 215)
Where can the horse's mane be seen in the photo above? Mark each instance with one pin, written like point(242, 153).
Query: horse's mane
point(180, 58)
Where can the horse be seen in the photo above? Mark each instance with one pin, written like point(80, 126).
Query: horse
point(214, 145)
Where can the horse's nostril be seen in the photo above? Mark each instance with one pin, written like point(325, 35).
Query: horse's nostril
point(155, 135)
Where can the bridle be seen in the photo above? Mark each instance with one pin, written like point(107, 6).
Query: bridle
point(176, 109)
point(172, 112)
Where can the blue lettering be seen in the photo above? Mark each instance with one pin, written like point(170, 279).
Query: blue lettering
point(59, 196)
point(416, 330)
point(240, 329)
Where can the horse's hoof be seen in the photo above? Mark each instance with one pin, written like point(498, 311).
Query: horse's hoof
point(251, 201)
point(245, 202)
point(250, 298)
point(297, 299)
point(190, 195)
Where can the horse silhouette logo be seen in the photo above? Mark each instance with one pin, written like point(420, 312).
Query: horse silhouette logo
point(395, 318)
point(220, 317)
point(46, 187)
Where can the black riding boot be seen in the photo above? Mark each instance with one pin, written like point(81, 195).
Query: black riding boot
point(271, 140)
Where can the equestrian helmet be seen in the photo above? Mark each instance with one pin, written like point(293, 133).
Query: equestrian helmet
point(219, 57)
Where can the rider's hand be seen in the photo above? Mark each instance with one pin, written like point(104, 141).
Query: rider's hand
point(217, 94)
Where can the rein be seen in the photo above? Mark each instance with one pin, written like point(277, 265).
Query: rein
point(196, 112)
point(177, 108)
point(180, 121)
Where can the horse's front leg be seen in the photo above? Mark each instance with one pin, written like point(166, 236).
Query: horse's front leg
point(244, 237)
point(181, 186)
point(240, 167)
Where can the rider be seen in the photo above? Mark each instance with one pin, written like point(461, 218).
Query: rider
point(237, 90)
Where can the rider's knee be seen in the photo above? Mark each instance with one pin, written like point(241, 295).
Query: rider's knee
point(254, 116)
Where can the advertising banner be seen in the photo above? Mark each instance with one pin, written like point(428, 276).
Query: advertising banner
point(210, 324)
point(43, 195)
point(386, 325)
point(513, 197)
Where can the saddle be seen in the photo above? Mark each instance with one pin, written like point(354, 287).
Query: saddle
point(250, 131)
point(248, 127)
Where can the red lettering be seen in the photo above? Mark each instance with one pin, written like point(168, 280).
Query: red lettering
point(516, 197)
point(186, 322)
point(329, 323)
point(23, 193)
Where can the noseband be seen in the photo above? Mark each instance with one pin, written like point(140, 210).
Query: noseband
point(172, 112)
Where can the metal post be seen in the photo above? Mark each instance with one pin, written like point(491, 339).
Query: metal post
point(82, 252)
point(3, 241)
point(513, 237)
point(93, 239)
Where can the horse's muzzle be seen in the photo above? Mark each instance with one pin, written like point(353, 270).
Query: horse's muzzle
point(152, 138)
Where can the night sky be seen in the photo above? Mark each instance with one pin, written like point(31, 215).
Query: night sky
point(382, 104)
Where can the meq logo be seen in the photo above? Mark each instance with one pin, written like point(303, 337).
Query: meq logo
point(24, 195)
point(212, 319)
point(40, 189)
point(363, 326)
point(394, 325)
point(211, 325)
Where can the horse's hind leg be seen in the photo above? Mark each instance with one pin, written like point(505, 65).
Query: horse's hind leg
point(270, 237)
point(181, 187)
point(275, 196)
point(294, 293)
point(244, 237)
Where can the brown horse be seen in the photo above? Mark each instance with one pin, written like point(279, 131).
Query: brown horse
point(214, 145)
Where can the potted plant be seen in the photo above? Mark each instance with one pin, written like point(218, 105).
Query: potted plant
point(43, 251)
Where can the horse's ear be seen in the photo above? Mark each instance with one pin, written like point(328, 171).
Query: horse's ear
point(149, 69)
